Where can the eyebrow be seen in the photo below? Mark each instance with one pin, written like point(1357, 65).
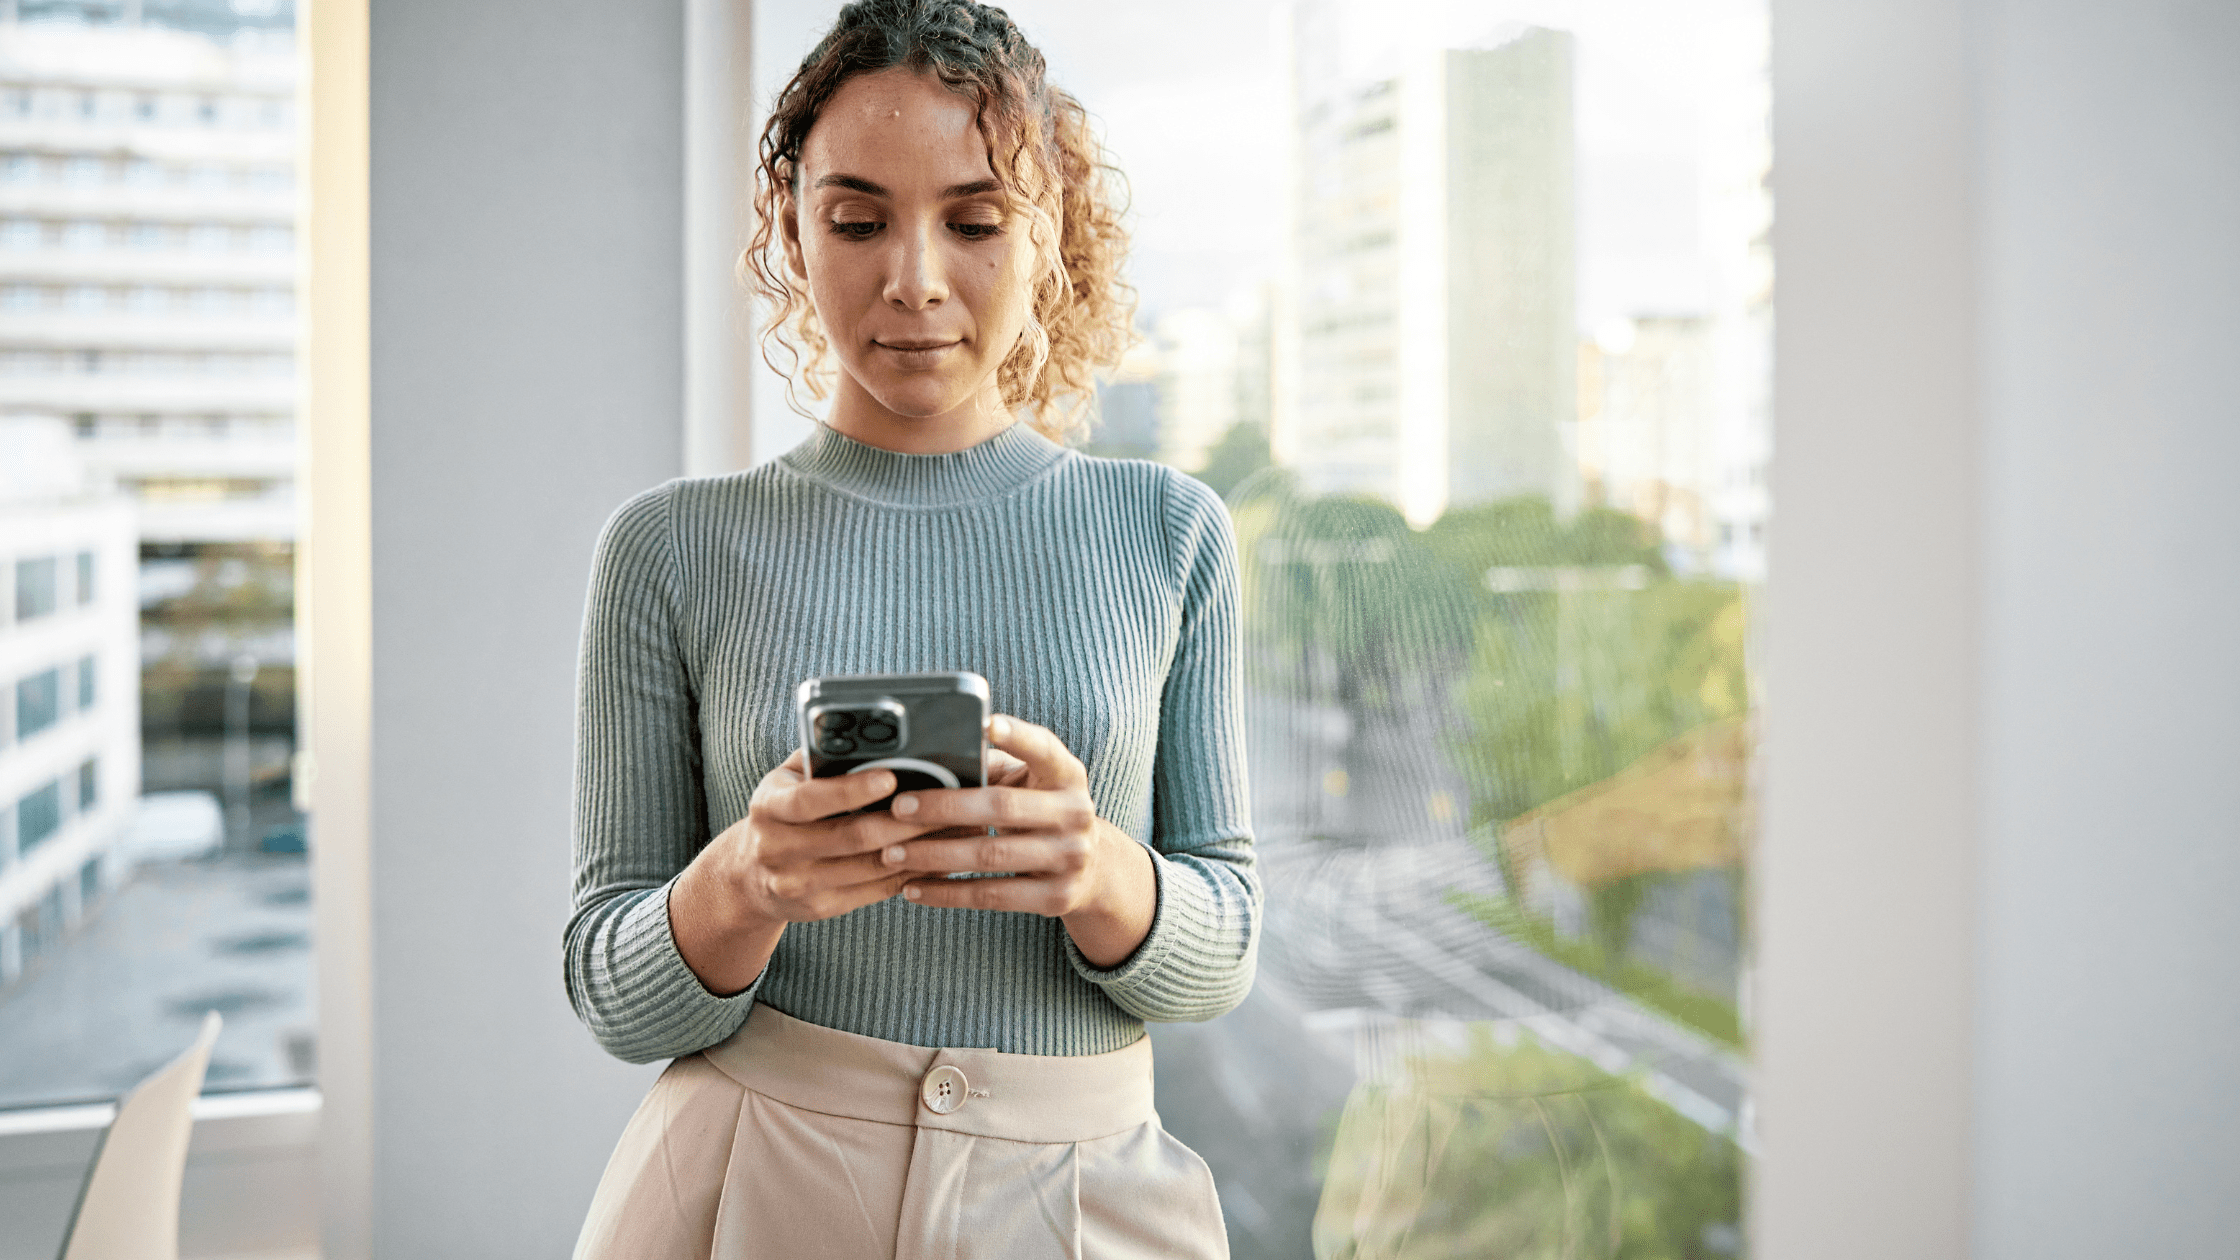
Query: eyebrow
point(865, 186)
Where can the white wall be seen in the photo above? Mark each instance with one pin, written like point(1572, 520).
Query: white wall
point(1866, 872)
point(2004, 705)
point(527, 368)
point(2108, 1044)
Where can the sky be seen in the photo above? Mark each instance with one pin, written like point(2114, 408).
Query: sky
point(1188, 96)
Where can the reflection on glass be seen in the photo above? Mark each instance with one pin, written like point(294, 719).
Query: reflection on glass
point(1490, 413)
point(1464, 307)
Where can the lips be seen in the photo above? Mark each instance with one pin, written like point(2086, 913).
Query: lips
point(917, 354)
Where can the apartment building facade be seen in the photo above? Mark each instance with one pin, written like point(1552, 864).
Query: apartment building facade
point(147, 265)
point(69, 666)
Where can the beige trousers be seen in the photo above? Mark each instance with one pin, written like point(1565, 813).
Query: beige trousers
point(792, 1141)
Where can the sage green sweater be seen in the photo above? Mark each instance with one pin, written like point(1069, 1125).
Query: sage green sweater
point(1099, 599)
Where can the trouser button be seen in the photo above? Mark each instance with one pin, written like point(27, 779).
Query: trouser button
point(944, 1090)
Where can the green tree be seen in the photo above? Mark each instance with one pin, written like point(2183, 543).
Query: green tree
point(1241, 452)
point(1524, 1152)
point(1343, 602)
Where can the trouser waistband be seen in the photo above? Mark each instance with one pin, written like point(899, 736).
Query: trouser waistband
point(987, 1093)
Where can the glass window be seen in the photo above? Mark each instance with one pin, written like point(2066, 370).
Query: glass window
point(38, 816)
point(1472, 373)
point(35, 588)
point(38, 702)
point(212, 582)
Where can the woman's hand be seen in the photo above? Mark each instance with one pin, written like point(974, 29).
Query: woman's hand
point(790, 860)
point(1064, 861)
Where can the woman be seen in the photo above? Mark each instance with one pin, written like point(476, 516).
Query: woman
point(934, 217)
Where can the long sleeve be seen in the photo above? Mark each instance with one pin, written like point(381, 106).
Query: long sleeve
point(640, 811)
point(1199, 958)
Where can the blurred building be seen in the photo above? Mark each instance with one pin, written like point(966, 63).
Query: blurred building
point(1198, 364)
point(1430, 316)
point(1646, 413)
point(69, 666)
point(1198, 373)
point(1127, 425)
point(147, 263)
point(1738, 227)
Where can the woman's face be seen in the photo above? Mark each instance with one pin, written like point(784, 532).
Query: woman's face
point(919, 273)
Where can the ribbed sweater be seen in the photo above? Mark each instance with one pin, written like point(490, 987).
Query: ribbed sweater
point(1099, 599)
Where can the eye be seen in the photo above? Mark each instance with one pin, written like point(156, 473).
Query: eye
point(977, 231)
point(857, 229)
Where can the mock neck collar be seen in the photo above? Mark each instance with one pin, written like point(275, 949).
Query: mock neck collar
point(998, 464)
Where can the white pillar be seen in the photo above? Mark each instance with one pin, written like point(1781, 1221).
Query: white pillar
point(719, 160)
point(1999, 861)
point(521, 334)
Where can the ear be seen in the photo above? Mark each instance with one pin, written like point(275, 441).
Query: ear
point(789, 236)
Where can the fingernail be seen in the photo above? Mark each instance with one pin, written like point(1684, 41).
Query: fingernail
point(895, 853)
point(905, 805)
point(999, 729)
point(910, 891)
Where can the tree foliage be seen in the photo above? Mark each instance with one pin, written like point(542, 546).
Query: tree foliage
point(1524, 1152)
point(1241, 452)
point(1343, 602)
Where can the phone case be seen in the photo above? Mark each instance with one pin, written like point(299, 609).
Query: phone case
point(926, 728)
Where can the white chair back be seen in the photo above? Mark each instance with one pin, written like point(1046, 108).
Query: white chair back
point(129, 1209)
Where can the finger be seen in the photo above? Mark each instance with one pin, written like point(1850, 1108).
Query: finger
point(1009, 808)
point(990, 853)
point(811, 800)
point(1005, 770)
point(814, 890)
point(1024, 894)
point(846, 836)
point(1047, 756)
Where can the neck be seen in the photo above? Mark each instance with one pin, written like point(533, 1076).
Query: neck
point(856, 414)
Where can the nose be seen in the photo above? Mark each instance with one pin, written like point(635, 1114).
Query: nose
point(915, 280)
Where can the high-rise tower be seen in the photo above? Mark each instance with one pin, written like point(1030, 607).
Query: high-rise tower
point(1431, 285)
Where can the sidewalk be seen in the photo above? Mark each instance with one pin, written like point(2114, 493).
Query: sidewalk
point(124, 992)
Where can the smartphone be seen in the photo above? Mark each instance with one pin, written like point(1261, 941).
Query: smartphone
point(926, 728)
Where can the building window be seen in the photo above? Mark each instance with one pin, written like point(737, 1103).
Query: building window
point(89, 882)
point(35, 583)
point(38, 702)
point(89, 784)
point(38, 816)
point(85, 683)
point(85, 558)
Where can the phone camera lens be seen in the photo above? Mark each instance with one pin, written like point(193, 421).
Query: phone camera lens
point(875, 732)
point(834, 721)
point(836, 744)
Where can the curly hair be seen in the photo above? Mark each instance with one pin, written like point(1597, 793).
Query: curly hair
point(1042, 150)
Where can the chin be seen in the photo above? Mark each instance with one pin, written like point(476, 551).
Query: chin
point(918, 399)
